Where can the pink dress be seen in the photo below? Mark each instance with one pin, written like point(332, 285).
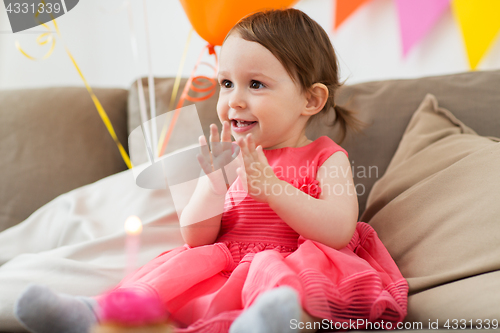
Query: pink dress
point(205, 288)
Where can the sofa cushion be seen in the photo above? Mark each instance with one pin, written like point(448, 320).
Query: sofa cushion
point(52, 140)
point(436, 210)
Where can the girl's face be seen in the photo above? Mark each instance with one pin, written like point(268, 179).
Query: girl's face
point(258, 96)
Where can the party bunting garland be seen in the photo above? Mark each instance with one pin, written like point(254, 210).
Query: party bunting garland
point(344, 9)
point(479, 21)
point(417, 18)
point(480, 24)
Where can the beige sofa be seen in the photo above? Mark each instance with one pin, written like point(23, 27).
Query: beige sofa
point(427, 173)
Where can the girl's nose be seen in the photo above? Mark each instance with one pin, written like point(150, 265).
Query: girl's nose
point(237, 100)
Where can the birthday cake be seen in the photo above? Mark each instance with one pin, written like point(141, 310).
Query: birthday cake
point(115, 328)
point(128, 311)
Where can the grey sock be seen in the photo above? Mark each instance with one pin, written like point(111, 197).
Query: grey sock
point(41, 310)
point(272, 312)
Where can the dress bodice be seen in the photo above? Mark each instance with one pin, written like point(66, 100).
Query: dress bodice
point(251, 226)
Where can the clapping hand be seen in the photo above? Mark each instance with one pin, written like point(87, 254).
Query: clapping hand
point(219, 155)
point(257, 176)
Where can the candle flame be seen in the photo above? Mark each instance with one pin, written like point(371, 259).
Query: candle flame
point(133, 225)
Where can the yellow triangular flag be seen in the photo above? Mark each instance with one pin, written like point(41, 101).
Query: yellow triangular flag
point(480, 23)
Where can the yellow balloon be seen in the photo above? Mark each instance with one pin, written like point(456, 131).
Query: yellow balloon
point(212, 19)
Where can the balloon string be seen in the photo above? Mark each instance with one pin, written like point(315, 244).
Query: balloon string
point(185, 95)
point(151, 81)
point(140, 88)
point(175, 88)
point(40, 41)
point(102, 113)
point(99, 107)
point(179, 72)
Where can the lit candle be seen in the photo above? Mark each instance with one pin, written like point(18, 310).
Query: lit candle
point(133, 227)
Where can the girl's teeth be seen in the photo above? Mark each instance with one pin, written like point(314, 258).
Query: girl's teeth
point(242, 124)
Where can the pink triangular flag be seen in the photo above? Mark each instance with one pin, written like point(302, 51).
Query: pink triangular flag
point(416, 18)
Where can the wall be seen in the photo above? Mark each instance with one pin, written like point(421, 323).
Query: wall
point(97, 34)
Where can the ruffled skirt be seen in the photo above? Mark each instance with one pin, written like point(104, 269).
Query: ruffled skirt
point(205, 288)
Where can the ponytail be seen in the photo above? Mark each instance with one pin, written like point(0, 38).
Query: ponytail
point(348, 121)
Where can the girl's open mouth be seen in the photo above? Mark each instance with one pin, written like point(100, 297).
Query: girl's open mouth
point(240, 126)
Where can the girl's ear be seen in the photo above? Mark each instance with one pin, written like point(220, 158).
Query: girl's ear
point(316, 97)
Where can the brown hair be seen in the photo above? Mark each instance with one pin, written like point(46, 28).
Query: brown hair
point(305, 50)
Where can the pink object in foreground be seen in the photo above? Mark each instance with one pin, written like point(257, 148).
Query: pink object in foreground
point(131, 308)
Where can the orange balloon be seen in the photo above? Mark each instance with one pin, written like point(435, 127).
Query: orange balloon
point(212, 19)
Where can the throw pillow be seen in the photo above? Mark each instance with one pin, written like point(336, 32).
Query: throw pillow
point(52, 140)
point(436, 210)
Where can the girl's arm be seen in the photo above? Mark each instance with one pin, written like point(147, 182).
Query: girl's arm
point(196, 228)
point(201, 218)
point(331, 219)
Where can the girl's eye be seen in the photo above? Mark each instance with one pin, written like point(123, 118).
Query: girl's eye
point(256, 84)
point(226, 84)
